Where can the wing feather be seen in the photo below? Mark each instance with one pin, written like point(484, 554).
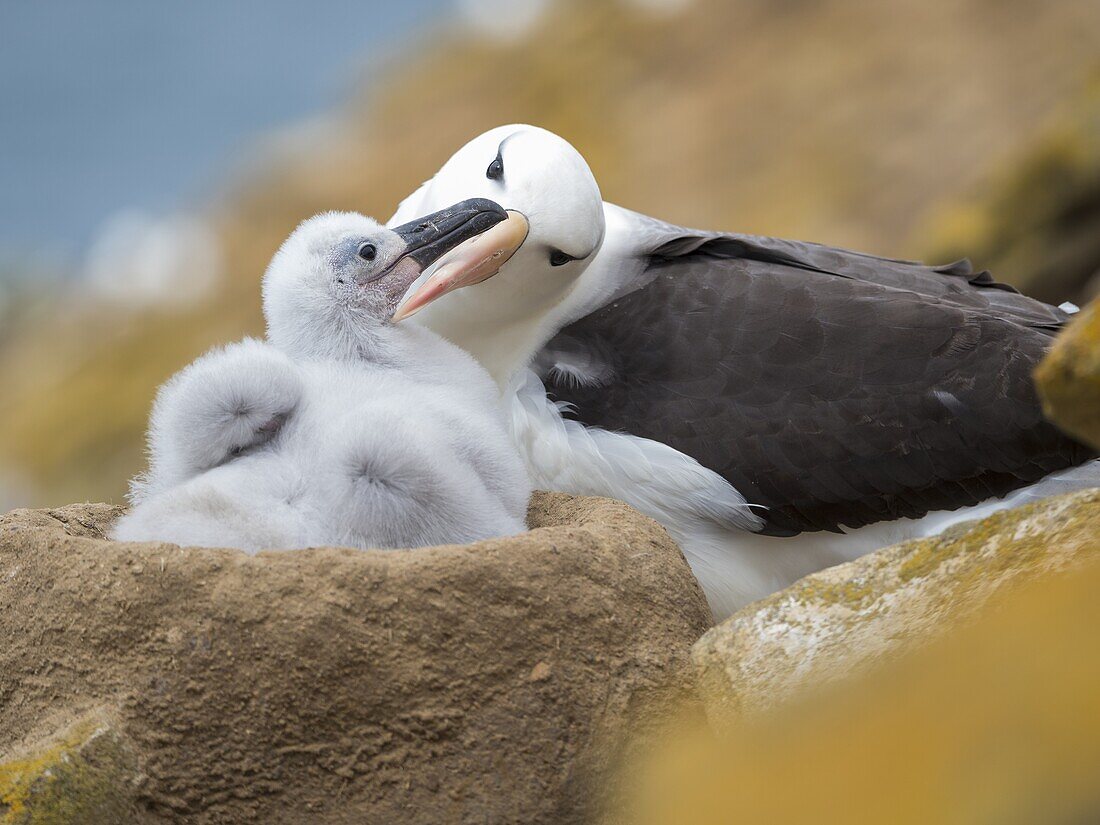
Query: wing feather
point(833, 387)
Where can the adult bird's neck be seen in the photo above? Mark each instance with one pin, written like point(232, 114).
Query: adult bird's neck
point(503, 348)
point(504, 322)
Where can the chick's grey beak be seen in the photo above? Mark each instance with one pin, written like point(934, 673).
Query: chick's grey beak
point(432, 236)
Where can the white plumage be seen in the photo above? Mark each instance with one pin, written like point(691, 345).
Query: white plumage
point(345, 429)
point(507, 320)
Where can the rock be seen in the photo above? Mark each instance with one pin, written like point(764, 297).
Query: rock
point(833, 624)
point(1068, 378)
point(485, 683)
point(998, 722)
point(88, 773)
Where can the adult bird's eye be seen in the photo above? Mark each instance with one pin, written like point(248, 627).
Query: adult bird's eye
point(559, 258)
point(367, 251)
point(496, 169)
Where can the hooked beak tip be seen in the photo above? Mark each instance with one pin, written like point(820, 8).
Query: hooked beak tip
point(403, 312)
point(469, 263)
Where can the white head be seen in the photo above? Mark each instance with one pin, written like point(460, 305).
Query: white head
point(332, 287)
point(555, 228)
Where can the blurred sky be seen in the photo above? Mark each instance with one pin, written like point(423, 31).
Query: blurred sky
point(111, 105)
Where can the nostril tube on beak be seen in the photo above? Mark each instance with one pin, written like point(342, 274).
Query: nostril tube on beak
point(431, 236)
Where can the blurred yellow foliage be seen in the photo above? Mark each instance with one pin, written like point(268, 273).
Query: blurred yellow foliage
point(999, 723)
point(1039, 221)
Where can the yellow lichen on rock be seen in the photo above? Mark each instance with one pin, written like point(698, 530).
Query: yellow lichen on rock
point(87, 774)
point(996, 723)
point(832, 624)
point(1069, 377)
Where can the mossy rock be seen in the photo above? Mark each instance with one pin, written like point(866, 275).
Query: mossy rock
point(86, 774)
point(1069, 378)
point(827, 627)
point(997, 721)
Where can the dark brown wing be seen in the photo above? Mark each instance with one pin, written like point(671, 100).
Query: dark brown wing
point(834, 388)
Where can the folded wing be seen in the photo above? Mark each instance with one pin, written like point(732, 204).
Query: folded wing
point(836, 388)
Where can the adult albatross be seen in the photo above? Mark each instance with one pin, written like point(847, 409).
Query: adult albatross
point(855, 400)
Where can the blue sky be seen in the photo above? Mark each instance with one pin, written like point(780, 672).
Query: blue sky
point(129, 104)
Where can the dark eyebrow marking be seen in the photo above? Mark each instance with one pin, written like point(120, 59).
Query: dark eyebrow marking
point(496, 168)
point(500, 148)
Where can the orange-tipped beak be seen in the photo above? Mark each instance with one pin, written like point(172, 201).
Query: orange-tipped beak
point(469, 263)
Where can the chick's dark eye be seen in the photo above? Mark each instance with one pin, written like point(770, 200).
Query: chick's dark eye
point(367, 251)
point(496, 169)
point(559, 258)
